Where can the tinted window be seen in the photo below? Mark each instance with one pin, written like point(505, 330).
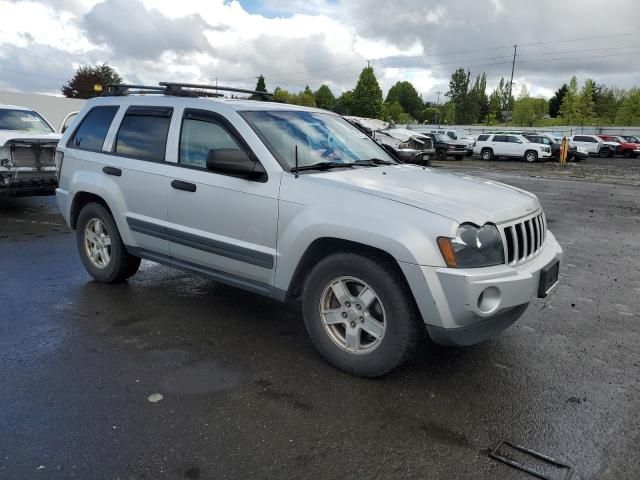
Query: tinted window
point(579, 138)
point(483, 138)
point(513, 140)
point(451, 135)
point(93, 129)
point(500, 138)
point(200, 136)
point(143, 133)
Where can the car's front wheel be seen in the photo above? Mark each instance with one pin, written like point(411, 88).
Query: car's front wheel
point(531, 156)
point(441, 154)
point(359, 314)
point(487, 154)
point(101, 249)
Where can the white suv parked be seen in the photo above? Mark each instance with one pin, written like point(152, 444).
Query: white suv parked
point(595, 145)
point(296, 203)
point(492, 146)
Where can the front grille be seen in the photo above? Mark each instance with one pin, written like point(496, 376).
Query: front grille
point(523, 239)
point(33, 156)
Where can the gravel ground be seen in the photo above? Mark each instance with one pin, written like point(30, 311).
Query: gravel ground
point(173, 376)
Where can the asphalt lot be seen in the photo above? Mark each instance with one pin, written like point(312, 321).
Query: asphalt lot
point(246, 396)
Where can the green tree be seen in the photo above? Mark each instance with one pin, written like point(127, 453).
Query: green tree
point(528, 110)
point(260, 87)
point(367, 96)
point(430, 115)
point(556, 101)
point(477, 101)
point(393, 112)
point(585, 105)
point(344, 103)
point(282, 95)
point(406, 94)
point(606, 103)
point(306, 98)
point(458, 90)
point(569, 106)
point(324, 98)
point(629, 111)
point(86, 77)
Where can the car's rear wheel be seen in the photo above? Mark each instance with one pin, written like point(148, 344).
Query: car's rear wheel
point(531, 156)
point(486, 154)
point(100, 246)
point(359, 314)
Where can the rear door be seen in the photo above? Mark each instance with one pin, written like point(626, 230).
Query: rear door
point(587, 142)
point(500, 145)
point(134, 174)
point(224, 224)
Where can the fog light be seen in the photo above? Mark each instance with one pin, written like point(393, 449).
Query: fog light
point(489, 300)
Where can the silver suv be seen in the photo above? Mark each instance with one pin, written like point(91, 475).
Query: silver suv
point(296, 203)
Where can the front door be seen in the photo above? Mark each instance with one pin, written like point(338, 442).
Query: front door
point(223, 224)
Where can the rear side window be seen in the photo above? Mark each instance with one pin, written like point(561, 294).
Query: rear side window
point(143, 133)
point(198, 137)
point(93, 129)
point(483, 138)
point(581, 138)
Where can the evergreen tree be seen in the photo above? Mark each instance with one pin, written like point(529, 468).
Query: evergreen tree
point(458, 90)
point(260, 87)
point(344, 103)
point(406, 94)
point(585, 105)
point(86, 77)
point(367, 96)
point(324, 98)
point(556, 101)
point(569, 106)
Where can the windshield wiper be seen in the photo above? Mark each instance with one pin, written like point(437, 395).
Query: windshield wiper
point(321, 166)
point(373, 162)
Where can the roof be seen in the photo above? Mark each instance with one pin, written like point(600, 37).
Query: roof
point(15, 107)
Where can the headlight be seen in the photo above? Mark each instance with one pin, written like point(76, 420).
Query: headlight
point(473, 247)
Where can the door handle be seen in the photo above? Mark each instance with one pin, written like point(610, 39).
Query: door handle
point(116, 172)
point(186, 186)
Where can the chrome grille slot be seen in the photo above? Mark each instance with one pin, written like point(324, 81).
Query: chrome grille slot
point(33, 156)
point(523, 239)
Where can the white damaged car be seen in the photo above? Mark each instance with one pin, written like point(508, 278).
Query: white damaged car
point(27, 153)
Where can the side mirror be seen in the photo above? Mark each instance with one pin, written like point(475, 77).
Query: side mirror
point(229, 161)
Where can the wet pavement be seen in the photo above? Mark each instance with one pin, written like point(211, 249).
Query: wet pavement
point(243, 394)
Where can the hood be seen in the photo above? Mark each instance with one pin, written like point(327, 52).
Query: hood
point(7, 135)
point(459, 197)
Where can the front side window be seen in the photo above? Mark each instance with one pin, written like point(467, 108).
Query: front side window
point(198, 137)
point(483, 138)
point(319, 137)
point(23, 121)
point(93, 129)
point(500, 138)
point(143, 133)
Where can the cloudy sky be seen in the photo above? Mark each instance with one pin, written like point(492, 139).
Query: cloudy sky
point(297, 42)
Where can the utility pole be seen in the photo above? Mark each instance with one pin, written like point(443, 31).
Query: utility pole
point(438, 108)
point(513, 66)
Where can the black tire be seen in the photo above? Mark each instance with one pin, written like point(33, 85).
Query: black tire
point(487, 154)
point(403, 328)
point(531, 156)
point(459, 157)
point(121, 264)
point(441, 154)
point(628, 154)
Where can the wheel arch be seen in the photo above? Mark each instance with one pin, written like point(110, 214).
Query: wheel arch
point(80, 199)
point(322, 247)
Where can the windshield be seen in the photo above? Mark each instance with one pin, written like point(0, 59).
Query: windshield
point(24, 121)
point(442, 138)
point(319, 137)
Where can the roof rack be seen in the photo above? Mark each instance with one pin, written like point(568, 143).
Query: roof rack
point(177, 90)
point(180, 86)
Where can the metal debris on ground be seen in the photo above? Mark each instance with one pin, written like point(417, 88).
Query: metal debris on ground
point(155, 397)
point(552, 468)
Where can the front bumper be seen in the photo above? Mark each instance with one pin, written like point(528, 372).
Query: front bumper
point(452, 305)
point(12, 187)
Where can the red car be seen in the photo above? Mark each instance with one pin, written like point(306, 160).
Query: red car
point(626, 149)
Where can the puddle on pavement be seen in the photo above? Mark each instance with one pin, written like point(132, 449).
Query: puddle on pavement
point(202, 377)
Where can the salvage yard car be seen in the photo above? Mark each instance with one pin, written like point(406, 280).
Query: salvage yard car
point(625, 148)
point(27, 149)
point(595, 145)
point(294, 202)
point(406, 145)
point(493, 146)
